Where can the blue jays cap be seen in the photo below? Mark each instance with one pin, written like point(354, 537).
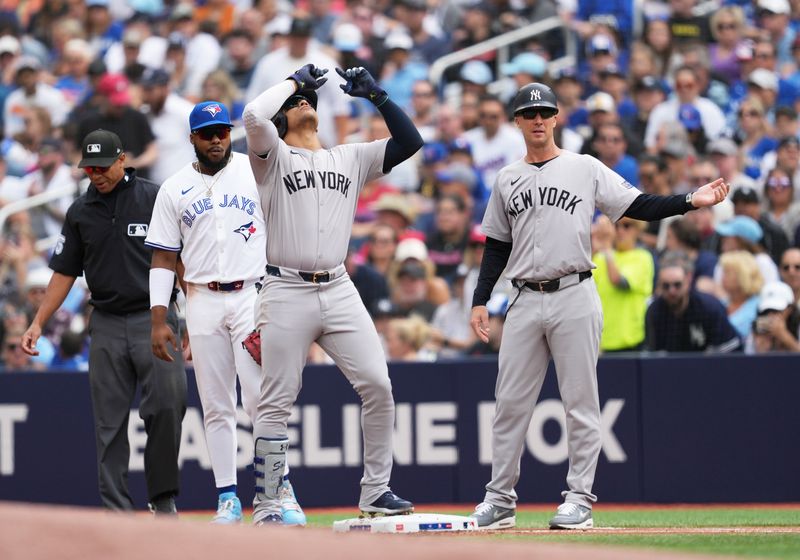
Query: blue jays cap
point(209, 113)
point(689, 117)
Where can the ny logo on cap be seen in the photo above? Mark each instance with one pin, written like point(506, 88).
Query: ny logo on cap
point(536, 95)
point(93, 149)
point(212, 110)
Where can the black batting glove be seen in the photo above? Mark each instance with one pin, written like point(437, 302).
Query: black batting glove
point(360, 83)
point(309, 77)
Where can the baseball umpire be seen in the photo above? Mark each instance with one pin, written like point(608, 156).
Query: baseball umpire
point(309, 196)
point(103, 237)
point(209, 213)
point(538, 225)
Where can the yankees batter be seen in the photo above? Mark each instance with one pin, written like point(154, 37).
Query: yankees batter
point(309, 197)
point(538, 224)
point(209, 214)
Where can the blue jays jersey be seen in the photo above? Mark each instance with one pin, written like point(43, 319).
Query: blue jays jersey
point(216, 223)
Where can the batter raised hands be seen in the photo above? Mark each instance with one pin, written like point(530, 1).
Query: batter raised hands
point(480, 322)
point(309, 77)
point(710, 194)
point(360, 83)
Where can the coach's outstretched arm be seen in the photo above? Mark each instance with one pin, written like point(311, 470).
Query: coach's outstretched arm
point(261, 132)
point(405, 140)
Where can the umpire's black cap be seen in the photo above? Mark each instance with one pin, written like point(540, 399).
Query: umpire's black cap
point(534, 95)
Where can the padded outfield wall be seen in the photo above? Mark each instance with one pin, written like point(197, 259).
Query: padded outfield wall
point(675, 429)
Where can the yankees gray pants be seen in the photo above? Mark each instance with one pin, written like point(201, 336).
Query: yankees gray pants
point(565, 326)
point(291, 314)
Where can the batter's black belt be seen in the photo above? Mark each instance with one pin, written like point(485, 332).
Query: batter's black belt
point(550, 285)
point(226, 286)
point(313, 277)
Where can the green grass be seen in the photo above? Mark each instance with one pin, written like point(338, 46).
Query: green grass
point(778, 545)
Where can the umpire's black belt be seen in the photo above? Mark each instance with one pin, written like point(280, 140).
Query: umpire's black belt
point(552, 285)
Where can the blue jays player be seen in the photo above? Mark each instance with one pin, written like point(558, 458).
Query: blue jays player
point(309, 197)
point(209, 214)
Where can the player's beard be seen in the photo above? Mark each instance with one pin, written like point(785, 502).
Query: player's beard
point(210, 164)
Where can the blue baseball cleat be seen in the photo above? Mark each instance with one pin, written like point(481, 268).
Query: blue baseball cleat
point(291, 511)
point(229, 510)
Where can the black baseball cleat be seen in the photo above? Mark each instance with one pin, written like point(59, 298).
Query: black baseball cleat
point(163, 506)
point(388, 504)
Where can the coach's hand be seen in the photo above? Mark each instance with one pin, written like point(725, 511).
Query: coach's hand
point(480, 322)
point(160, 335)
point(309, 77)
point(360, 83)
point(710, 194)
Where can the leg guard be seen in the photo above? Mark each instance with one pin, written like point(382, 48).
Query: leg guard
point(269, 464)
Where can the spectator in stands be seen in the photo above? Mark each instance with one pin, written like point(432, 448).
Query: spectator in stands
point(17, 256)
point(476, 26)
point(139, 46)
point(687, 92)
point(786, 124)
point(449, 124)
point(413, 283)
point(777, 327)
point(401, 71)
point(601, 110)
point(461, 180)
point(648, 92)
point(219, 14)
point(406, 337)
point(753, 132)
point(423, 107)
point(32, 91)
point(380, 248)
point(14, 360)
point(168, 115)
point(681, 319)
point(219, 86)
point(370, 283)
point(610, 146)
point(686, 26)
point(51, 173)
point(614, 81)
point(447, 241)
point(452, 333)
point(238, 58)
point(741, 283)
point(175, 63)
point(689, 117)
point(475, 77)
point(746, 202)
point(469, 110)
point(702, 168)
point(684, 236)
point(495, 143)
point(427, 44)
point(117, 115)
point(658, 36)
point(523, 69)
point(781, 206)
point(601, 52)
point(786, 158)
point(763, 85)
point(396, 211)
point(72, 354)
point(203, 51)
point(725, 155)
point(569, 91)
point(624, 277)
point(74, 83)
point(652, 180)
point(744, 233)
point(790, 270)
point(727, 28)
point(773, 17)
point(101, 29)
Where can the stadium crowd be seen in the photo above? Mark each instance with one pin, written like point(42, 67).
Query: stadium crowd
point(670, 95)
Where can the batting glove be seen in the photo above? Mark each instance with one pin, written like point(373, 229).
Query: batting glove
point(360, 83)
point(309, 77)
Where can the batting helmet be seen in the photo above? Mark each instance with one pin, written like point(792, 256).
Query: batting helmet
point(279, 120)
point(534, 95)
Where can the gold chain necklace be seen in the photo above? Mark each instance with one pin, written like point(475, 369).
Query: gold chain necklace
point(203, 178)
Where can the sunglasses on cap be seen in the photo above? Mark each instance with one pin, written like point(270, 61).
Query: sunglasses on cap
point(208, 133)
point(544, 112)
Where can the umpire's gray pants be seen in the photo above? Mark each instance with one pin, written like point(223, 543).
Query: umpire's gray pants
point(565, 325)
point(120, 356)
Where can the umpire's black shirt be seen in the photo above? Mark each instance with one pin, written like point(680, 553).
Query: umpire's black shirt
point(103, 237)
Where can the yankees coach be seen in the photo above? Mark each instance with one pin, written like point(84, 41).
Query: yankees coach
point(103, 237)
point(538, 223)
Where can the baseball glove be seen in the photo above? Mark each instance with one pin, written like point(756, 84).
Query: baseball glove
point(252, 343)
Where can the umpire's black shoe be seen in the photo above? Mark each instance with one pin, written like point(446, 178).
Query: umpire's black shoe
point(163, 506)
point(388, 504)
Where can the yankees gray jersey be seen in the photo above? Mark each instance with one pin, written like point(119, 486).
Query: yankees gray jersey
point(309, 198)
point(547, 212)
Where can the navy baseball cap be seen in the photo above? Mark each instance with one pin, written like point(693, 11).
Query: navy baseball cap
point(100, 148)
point(209, 113)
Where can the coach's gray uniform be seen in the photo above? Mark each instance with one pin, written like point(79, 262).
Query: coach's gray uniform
point(547, 214)
point(309, 200)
